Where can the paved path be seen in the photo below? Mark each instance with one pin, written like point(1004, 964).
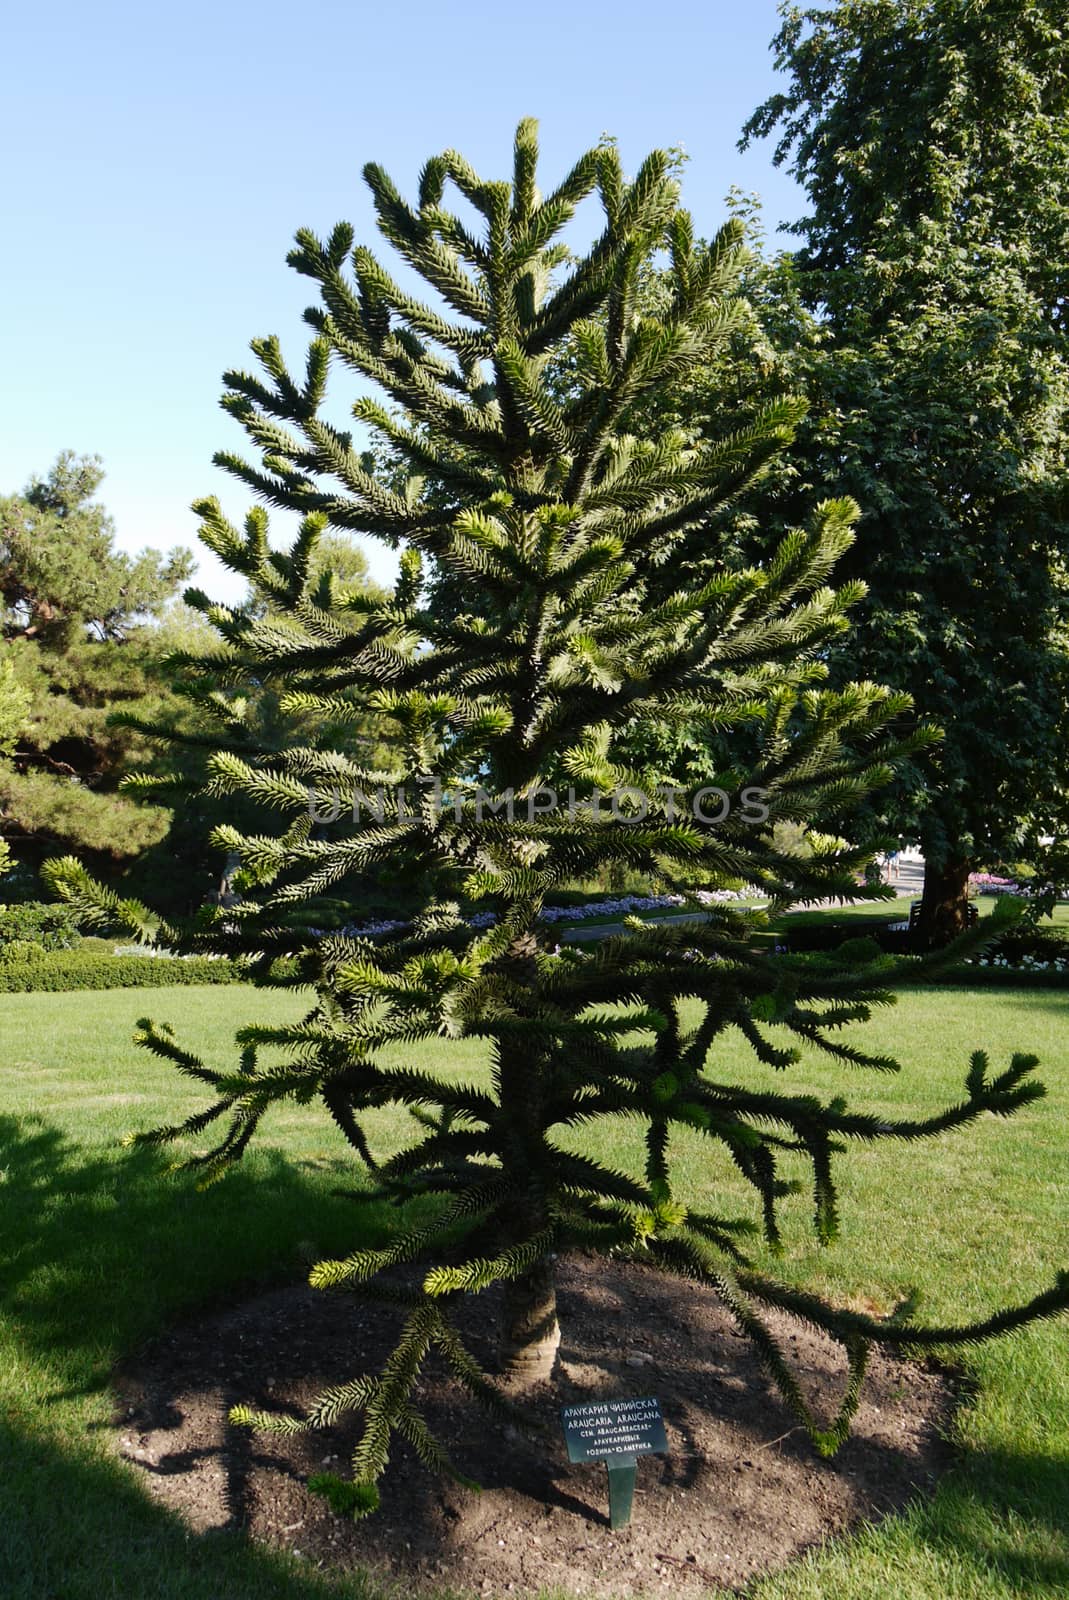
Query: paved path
point(909, 882)
point(580, 933)
point(910, 878)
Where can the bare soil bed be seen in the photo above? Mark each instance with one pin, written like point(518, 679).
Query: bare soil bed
point(740, 1493)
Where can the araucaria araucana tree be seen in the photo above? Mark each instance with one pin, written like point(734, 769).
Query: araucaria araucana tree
point(564, 526)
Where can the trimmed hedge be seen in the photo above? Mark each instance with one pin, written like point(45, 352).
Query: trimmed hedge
point(55, 971)
point(803, 938)
point(53, 927)
point(975, 977)
point(1043, 943)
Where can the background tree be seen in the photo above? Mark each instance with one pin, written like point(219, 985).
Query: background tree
point(932, 139)
point(14, 704)
point(566, 526)
point(60, 574)
point(76, 619)
point(182, 869)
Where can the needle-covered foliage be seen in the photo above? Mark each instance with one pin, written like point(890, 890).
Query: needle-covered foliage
point(591, 594)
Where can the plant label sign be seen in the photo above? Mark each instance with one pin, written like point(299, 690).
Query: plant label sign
point(616, 1432)
point(605, 1430)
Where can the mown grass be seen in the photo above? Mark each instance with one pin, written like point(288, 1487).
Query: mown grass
point(100, 1249)
point(897, 910)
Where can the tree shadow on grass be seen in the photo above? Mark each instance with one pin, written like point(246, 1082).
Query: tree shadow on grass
point(101, 1248)
point(1039, 995)
point(76, 1526)
point(1006, 1513)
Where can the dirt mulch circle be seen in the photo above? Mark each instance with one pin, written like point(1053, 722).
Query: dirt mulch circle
point(740, 1493)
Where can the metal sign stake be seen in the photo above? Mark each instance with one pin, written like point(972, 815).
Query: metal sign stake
point(622, 1473)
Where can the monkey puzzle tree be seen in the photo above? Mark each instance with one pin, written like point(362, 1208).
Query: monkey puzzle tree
point(563, 528)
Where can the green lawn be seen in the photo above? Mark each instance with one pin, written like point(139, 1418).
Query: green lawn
point(99, 1249)
point(897, 910)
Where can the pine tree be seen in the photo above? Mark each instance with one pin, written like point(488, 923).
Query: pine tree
point(563, 527)
point(76, 633)
point(14, 705)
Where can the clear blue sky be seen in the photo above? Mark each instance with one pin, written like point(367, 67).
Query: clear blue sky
point(160, 159)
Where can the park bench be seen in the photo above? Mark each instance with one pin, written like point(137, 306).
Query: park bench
point(972, 915)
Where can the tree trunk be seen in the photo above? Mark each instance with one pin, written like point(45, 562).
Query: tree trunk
point(531, 1332)
point(944, 911)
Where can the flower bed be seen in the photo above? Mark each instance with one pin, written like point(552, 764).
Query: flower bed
point(620, 906)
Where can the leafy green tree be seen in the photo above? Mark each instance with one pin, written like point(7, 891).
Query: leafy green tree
point(76, 620)
point(932, 138)
point(565, 526)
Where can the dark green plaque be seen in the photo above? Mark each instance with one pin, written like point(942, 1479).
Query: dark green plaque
point(616, 1432)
